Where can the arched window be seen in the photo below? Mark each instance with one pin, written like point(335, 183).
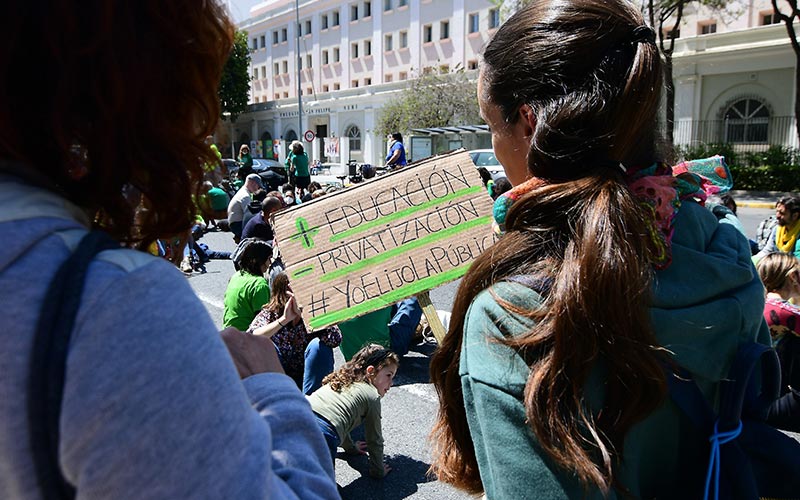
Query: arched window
point(354, 136)
point(747, 121)
point(291, 135)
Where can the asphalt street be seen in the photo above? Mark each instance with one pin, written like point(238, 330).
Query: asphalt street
point(410, 406)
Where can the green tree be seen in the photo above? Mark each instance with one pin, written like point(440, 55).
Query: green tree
point(234, 86)
point(432, 100)
point(788, 12)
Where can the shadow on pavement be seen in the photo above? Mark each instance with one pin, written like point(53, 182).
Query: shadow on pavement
point(415, 366)
point(402, 482)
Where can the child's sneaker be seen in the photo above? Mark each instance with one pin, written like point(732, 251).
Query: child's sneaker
point(186, 265)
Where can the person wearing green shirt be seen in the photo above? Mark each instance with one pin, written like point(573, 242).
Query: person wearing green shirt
point(297, 163)
point(246, 161)
point(247, 290)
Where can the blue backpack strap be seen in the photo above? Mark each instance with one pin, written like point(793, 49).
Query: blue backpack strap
point(49, 361)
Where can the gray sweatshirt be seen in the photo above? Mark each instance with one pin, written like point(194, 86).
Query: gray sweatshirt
point(153, 406)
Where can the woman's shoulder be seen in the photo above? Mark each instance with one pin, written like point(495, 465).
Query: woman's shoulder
point(504, 305)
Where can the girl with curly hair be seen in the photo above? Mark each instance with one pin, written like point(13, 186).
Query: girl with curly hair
point(352, 394)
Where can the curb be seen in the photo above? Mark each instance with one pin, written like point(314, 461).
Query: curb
point(755, 204)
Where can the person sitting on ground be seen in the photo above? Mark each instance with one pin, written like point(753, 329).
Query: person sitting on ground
point(239, 204)
point(312, 188)
point(248, 290)
point(785, 236)
point(780, 274)
point(213, 204)
point(246, 161)
point(254, 207)
point(148, 401)
point(306, 357)
point(392, 326)
point(289, 199)
point(352, 395)
point(259, 226)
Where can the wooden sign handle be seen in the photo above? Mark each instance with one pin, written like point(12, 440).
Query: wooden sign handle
point(433, 319)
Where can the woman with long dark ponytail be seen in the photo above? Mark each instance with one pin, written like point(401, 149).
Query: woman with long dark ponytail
point(552, 376)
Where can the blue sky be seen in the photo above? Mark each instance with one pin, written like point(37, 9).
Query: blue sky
point(241, 8)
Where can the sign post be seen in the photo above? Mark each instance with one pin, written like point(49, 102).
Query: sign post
point(395, 236)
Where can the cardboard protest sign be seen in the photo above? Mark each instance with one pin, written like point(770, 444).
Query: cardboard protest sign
point(366, 247)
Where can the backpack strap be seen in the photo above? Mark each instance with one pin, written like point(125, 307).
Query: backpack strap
point(49, 360)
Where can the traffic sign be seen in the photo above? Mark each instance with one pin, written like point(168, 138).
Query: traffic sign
point(309, 136)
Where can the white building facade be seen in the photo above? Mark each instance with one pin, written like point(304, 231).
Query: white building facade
point(734, 77)
point(354, 56)
point(733, 70)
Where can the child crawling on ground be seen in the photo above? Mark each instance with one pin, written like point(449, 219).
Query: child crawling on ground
point(352, 394)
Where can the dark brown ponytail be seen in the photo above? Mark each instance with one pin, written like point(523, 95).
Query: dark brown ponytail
point(594, 90)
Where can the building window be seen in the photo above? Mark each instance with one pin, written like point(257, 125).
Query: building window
point(263, 72)
point(335, 15)
point(275, 37)
point(324, 57)
point(367, 82)
point(325, 88)
point(284, 34)
point(277, 96)
point(353, 84)
point(367, 47)
point(336, 54)
point(402, 76)
point(494, 18)
point(285, 66)
point(255, 73)
point(263, 41)
point(256, 99)
point(367, 9)
point(444, 30)
point(444, 69)
point(473, 64)
point(427, 33)
point(769, 18)
point(309, 91)
point(308, 61)
point(285, 95)
point(308, 27)
point(255, 43)
point(474, 23)
point(387, 5)
point(324, 21)
point(276, 69)
point(746, 120)
point(300, 63)
point(354, 12)
point(354, 136)
point(299, 29)
point(387, 42)
point(402, 3)
point(387, 78)
point(672, 34)
point(336, 86)
point(403, 39)
point(707, 29)
point(354, 50)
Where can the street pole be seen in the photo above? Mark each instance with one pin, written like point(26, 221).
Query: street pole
point(227, 115)
point(299, 62)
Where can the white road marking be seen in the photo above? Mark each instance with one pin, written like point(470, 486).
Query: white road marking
point(424, 391)
point(210, 300)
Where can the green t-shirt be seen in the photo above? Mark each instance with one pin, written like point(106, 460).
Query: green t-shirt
point(300, 163)
point(244, 297)
point(372, 327)
point(218, 199)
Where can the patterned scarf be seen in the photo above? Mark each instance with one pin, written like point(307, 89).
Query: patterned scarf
point(660, 191)
point(786, 237)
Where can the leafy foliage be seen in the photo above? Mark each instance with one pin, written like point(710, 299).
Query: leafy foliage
point(432, 100)
point(234, 86)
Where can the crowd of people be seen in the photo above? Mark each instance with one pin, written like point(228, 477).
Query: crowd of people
point(610, 272)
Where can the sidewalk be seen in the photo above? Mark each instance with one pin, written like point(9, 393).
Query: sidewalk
point(759, 199)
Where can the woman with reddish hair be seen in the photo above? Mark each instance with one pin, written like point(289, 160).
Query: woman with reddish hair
point(115, 382)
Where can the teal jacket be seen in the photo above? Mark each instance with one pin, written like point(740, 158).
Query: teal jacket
point(708, 301)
